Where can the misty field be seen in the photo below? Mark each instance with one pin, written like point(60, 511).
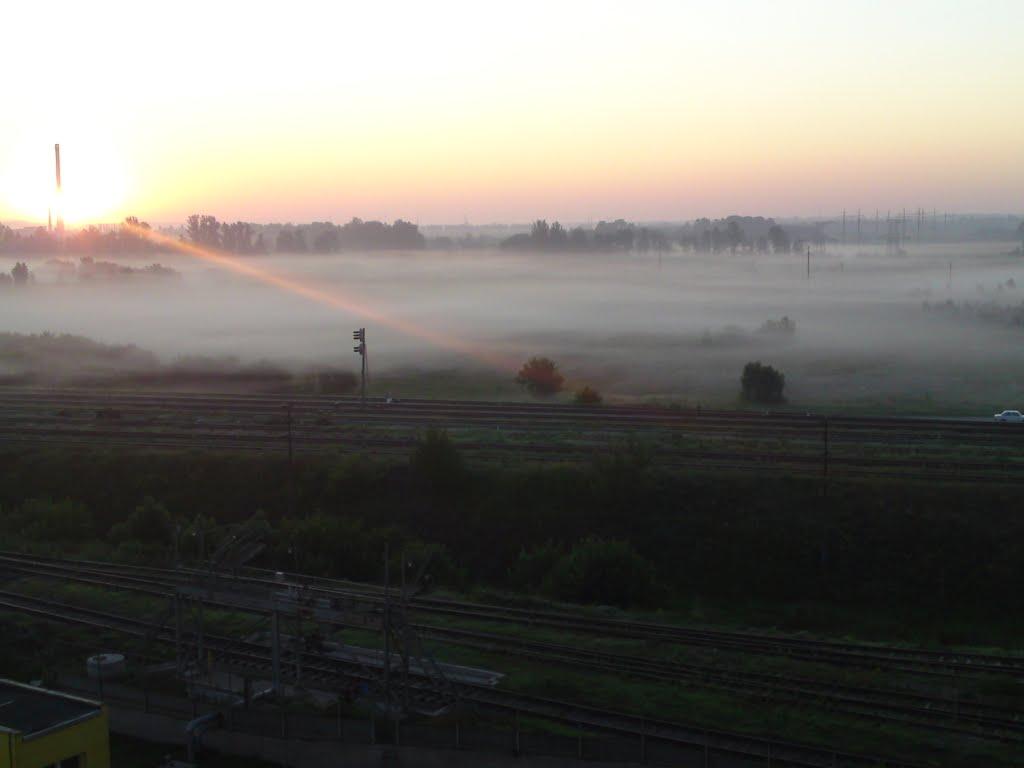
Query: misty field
point(676, 327)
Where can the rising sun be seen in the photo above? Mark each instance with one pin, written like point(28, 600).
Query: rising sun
point(94, 183)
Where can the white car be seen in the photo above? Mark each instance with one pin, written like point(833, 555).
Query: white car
point(1010, 416)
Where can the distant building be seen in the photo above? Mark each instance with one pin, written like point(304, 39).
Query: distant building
point(47, 729)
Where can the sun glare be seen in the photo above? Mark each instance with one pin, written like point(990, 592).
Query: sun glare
point(94, 184)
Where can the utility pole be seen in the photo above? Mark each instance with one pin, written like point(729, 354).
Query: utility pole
point(291, 464)
point(360, 349)
point(808, 262)
point(387, 629)
point(405, 637)
point(825, 465)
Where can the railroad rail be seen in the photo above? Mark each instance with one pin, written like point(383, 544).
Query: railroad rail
point(892, 705)
point(693, 439)
point(329, 671)
point(947, 662)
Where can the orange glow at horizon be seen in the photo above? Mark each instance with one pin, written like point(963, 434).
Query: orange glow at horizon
point(332, 299)
point(451, 110)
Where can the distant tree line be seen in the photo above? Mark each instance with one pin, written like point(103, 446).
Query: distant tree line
point(616, 235)
point(19, 275)
point(125, 238)
point(733, 234)
point(318, 237)
point(235, 237)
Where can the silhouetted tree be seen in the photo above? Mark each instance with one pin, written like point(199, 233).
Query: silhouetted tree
point(203, 230)
point(761, 384)
point(717, 240)
point(541, 377)
point(779, 239)
point(539, 234)
point(643, 240)
point(734, 235)
point(20, 273)
point(328, 240)
point(614, 235)
point(558, 238)
point(290, 240)
point(578, 239)
point(376, 235)
point(237, 237)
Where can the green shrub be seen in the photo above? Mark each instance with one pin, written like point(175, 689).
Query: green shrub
point(437, 463)
point(587, 396)
point(149, 523)
point(45, 521)
point(762, 384)
point(604, 572)
point(533, 567)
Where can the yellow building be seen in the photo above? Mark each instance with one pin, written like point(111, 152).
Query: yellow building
point(47, 729)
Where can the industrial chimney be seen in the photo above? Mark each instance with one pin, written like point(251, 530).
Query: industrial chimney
point(60, 207)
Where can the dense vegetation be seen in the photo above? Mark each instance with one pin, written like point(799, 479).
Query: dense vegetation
point(761, 384)
point(616, 532)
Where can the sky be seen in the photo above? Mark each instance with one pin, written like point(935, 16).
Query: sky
point(447, 111)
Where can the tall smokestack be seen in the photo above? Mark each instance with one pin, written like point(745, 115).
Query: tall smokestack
point(60, 212)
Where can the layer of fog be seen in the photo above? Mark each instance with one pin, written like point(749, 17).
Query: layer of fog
point(677, 325)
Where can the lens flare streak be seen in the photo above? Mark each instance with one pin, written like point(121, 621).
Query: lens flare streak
point(332, 299)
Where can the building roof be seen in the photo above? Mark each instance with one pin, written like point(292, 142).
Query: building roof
point(29, 710)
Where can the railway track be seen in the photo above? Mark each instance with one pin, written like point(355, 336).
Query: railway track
point(691, 440)
point(337, 674)
point(452, 409)
point(881, 705)
point(947, 663)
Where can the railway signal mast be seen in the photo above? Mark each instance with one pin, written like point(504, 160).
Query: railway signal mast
point(360, 349)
